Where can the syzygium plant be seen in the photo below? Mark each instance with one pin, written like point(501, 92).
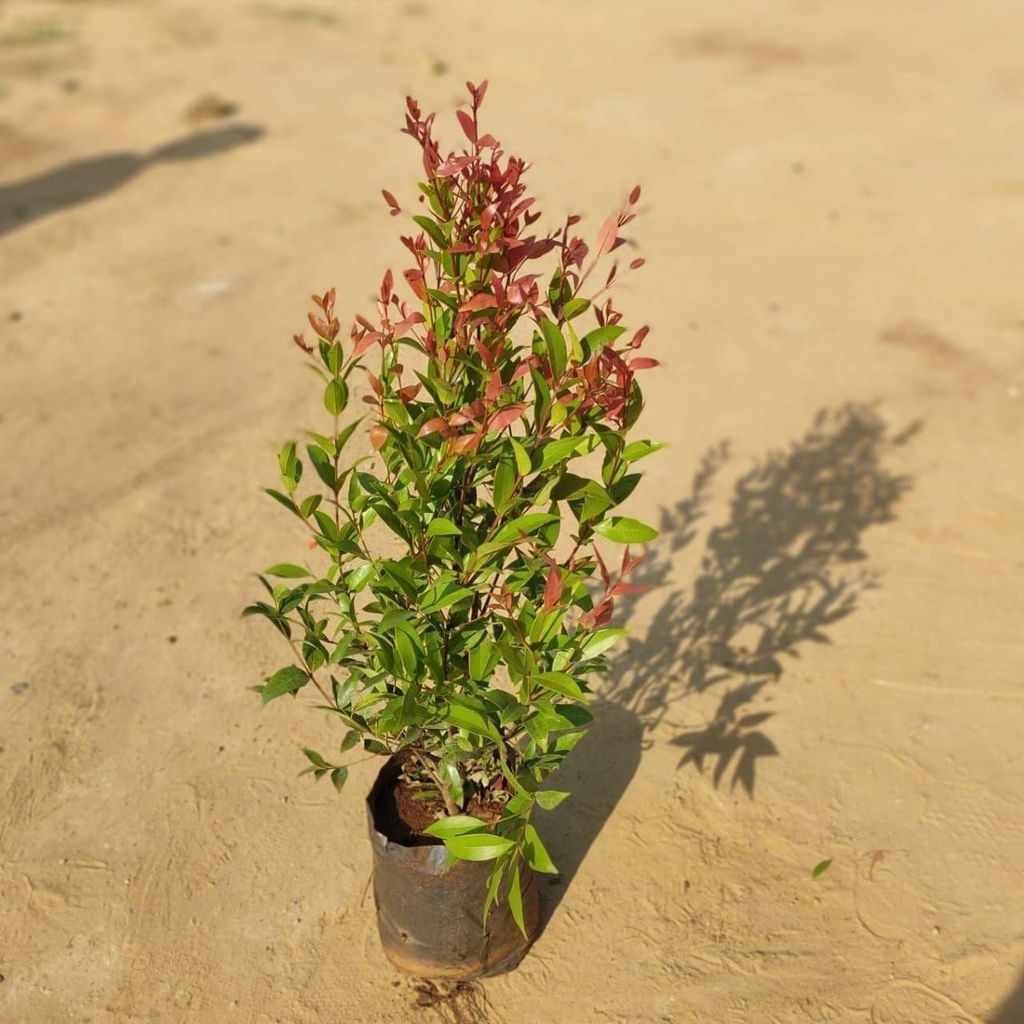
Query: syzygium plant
point(458, 600)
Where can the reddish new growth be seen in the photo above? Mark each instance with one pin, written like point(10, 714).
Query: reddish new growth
point(476, 273)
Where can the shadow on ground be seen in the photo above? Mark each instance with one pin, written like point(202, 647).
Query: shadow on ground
point(1012, 1010)
point(22, 202)
point(786, 566)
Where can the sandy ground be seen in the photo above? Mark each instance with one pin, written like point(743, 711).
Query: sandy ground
point(832, 665)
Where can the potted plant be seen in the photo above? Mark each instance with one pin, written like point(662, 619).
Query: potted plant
point(458, 599)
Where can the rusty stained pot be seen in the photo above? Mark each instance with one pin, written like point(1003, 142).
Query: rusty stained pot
point(430, 920)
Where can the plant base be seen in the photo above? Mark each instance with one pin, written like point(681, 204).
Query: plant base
point(429, 919)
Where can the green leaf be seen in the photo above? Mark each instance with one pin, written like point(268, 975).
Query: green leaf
point(433, 230)
point(821, 868)
point(346, 434)
point(536, 856)
point(636, 450)
point(521, 456)
point(287, 570)
point(601, 336)
point(442, 527)
point(344, 692)
point(601, 641)
point(515, 901)
point(621, 530)
point(482, 660)
point(560, 682)
point(452, 781)
point(504, 482)
point(456, 825)
point(315, 758)
point(443, 598)
point(282, 499)
point(285, 680)
point(477, 846)
point(574, 307)
point(322, 464)
point(565, 448)
point(351, 738)
point(524, 526)
point(549, 799)
point(493, 884)
point(568, 486)
point(338, 777)
point(310, 505)
point(286, 460)
point(336, 396)
point(555, 345)
point(357, 579)
point(471, 720)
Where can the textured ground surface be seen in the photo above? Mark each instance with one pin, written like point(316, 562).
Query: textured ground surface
point(833, 665)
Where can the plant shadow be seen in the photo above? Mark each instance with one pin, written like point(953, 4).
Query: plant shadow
point(1011, 1011)
point(80, 181)
point(786, 566)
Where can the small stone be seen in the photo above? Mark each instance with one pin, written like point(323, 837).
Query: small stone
point(172, 639)
point(14, 316)
point(20, 687)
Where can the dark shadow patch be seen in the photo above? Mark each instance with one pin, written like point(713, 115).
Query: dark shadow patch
point(1012, 1010)
point(786, 566)
point(596, 773)
point(80, 181)
point(918, 336)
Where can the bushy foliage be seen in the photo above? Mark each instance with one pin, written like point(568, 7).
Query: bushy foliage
point(464, 641)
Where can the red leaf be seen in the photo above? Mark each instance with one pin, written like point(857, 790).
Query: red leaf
point(482, 300)
point(378, 435)
point(409, 392)
point(432, 426)
point(402, 327)
point(622, 589)
point(391, 201)
point(494, 386)
point(553, 588)
point(503, 417)
point(606, 236)
point(599, 616)
point(643, 364)
point(479, 92)
point(629, 564)
point(466, 443)
point(453, 165)
point(637, 264)
point(415, 282)
point(365, 342)
point(301, 342)
point(634, 195)
point(638, 338)
point(468, 126)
